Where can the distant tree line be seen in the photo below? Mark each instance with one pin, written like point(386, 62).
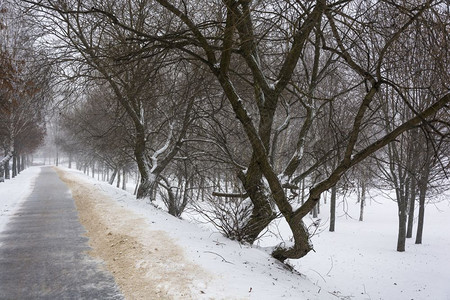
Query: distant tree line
point(24, 79)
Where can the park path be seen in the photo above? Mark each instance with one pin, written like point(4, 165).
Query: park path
point(43, 250)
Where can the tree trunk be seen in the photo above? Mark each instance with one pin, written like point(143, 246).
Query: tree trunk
point(420, 222)
point(333, 208)
point(315, 211)
point(14, 166)
point(423, 187)
point(262, 212)
point(7, 171)
point(302, 244)
point(113, 177)
point(2, 173)
point(412, 203)
point(124, 180)
point(137, 183)
point(18, 164)
point(318, 207)
point(23, 162)
point(401, 241)
point(118, 179)
point(362, 201)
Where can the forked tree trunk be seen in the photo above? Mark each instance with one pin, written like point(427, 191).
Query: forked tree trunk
point(147, 185)
point(262, 213)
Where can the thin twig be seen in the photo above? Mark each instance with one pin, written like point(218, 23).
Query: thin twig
point(223, 259)
point(328, 273)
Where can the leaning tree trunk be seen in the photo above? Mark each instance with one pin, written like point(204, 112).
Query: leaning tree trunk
point(262, 212)
point(113, 177)
point(302, 244)
point(147, 182)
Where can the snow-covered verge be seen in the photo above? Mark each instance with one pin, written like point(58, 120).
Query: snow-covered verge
point(359, 261)
point(14, 191)
point(233, 271)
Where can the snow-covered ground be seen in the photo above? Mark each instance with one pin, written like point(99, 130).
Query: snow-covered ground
point(13, 192)
point(236, 271)
point(358, 261)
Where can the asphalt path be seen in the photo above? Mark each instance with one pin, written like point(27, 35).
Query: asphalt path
point(43, 253)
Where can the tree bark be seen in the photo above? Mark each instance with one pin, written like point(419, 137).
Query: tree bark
point(118, 179)
point(401, 241)
point(262, 212)
point(402, 215)
point(14, 166)
point(113, 177)
point(421, 217)
point(124, 180)
point(7, 170)
point(333, 208)
point(423, 187)
point(412, 203)
point(362, 200)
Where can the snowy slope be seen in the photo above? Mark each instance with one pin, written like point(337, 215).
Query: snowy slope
point(237, 271)
point(358, 261)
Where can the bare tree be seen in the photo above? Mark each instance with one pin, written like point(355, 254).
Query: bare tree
point(24, 79)
point(269, 57)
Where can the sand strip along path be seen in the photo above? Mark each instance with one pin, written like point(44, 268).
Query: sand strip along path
point(146, 264)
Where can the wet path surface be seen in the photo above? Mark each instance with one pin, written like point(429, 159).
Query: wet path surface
point(43, 250)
